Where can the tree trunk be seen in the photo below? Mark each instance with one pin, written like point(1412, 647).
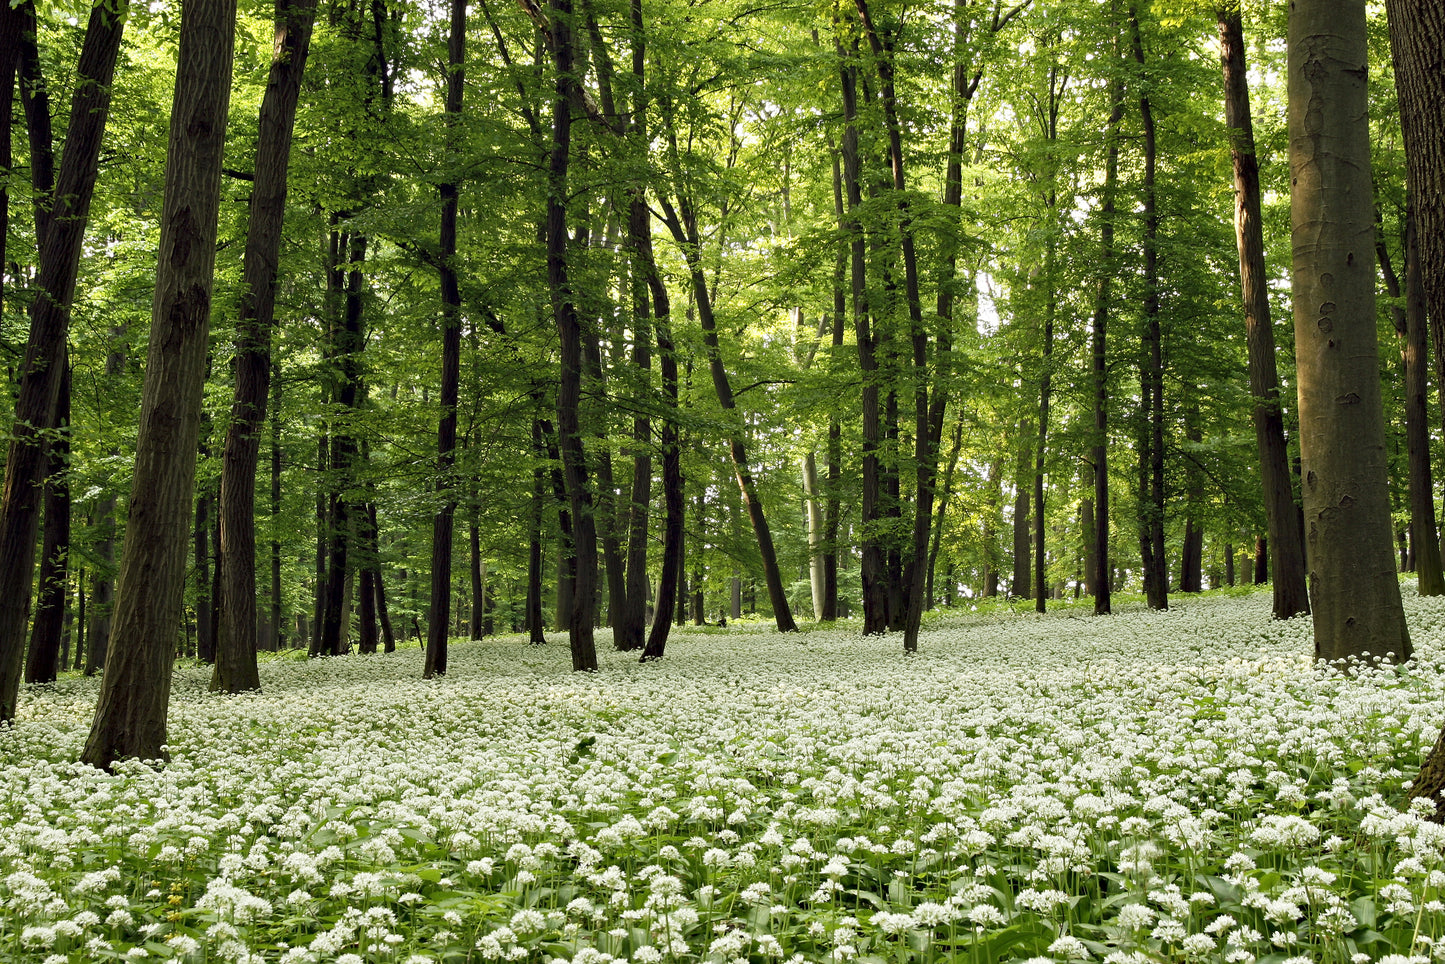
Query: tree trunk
point(236, 643)
point(1354, 592)
point(42, 370)
point(476, 576)
point(874, 576)
point(1151, 360)
point(277, 634)
point(534, 537)
point(443, 521)
point(130, 717)
point(1022, 523)
point(347, 355)
point(388, 633)
point(1099, 456)
point(205, 640)
point(1086, 523)
point(1411, 326)
point(318, 612)
point(1282, 517)
point(42, 663)
point(569, 332)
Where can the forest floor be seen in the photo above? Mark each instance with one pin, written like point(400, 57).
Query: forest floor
point(1171, 786)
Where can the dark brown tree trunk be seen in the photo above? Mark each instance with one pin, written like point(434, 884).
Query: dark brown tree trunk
point(130, 716)
point(1191, 561)
point(41, 370)
point(1354, 590)
point(347, 354)
point(277, 634)
point(42, 663)
point(475, 575)
point(236, 643)
point(534, 622)
point(10, 34)
point(1228, 564)
point(669, 585)
point(323, 541)
point(1090, 567)
point(383, 616)
point(1291, 595)
point(1099, 456)
point(103, 556)
point(1408, 312)
point(631, 625)
point(874, 577)
point(1261, 560)
point(205, 641)
point(569, 332)
point(1151, 360)
point(443, 521)
point(945, 497)
point(1022, 522)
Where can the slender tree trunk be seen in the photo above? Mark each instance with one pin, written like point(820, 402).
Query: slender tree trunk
point(347, 352)
point(1099, 349)
point(443, 521)
point(534, 538)
point(130, 716)
point(1281, 513)
point(569, 331)
point(236, 642)
point(955, 449)
point(41, 371)
point(1354, 591)
point(10, 39)
point(42, 663)
point(631, 627)
point(323, 541)
point(475, 568)
point(277, 635)
point(875, 602)
point(1151, 360)
point(1410, 326)
point(205, 641)
point(1022, 529)
point(1261, 560)
point(1086, 523)
point(388, 634)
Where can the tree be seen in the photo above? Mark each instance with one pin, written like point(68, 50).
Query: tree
point(451, 322)
point(1354, 592)
point(42, 370)
point(236, 642)
point(1282, 519)
point(130, 717)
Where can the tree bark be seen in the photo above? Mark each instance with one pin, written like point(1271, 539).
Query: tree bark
point(130, 716)
point(1099, 456)
point(41, 370)
point(1411, 325)
point(236, 642)
point(1354, 592)
point(569, 332)
point(534, 623)
point(1282, 517)
point(1023, 569)
point(347, 354)
point(42, 663)
point(1151, 359)
point(443, 521)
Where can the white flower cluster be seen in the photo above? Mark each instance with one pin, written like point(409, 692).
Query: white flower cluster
point(1180, 786)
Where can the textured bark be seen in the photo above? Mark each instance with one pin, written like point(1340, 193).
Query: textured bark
point(10, 32)
point(346, 352)
point(1417, 41)
point(874, 563)
point(236, 643)
point(130, 716)
point(569, 333)
point(1282, 519)
point(277, 634)
point(1354, 592)
point(1023, 543)
point(41, 370)
point(1099, 456)
point(201, 538)
point(1411, 325)
point(443, 521)
point(42, 663)
point(533, 618)
point(1151, 359)
point(476, 574)
point(631, 625)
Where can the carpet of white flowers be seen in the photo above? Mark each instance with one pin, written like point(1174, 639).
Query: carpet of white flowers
point(1180, 786)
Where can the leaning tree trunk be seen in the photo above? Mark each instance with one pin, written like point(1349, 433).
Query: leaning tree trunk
point(1282, 519)
point(41, 370)
point(1354, 591)
point(130, 716)
point(236, 644)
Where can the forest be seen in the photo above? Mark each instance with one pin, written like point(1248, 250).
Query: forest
point(980, 456)
point(469, 320)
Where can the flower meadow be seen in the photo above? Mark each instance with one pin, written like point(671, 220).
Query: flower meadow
point(1178, 786)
